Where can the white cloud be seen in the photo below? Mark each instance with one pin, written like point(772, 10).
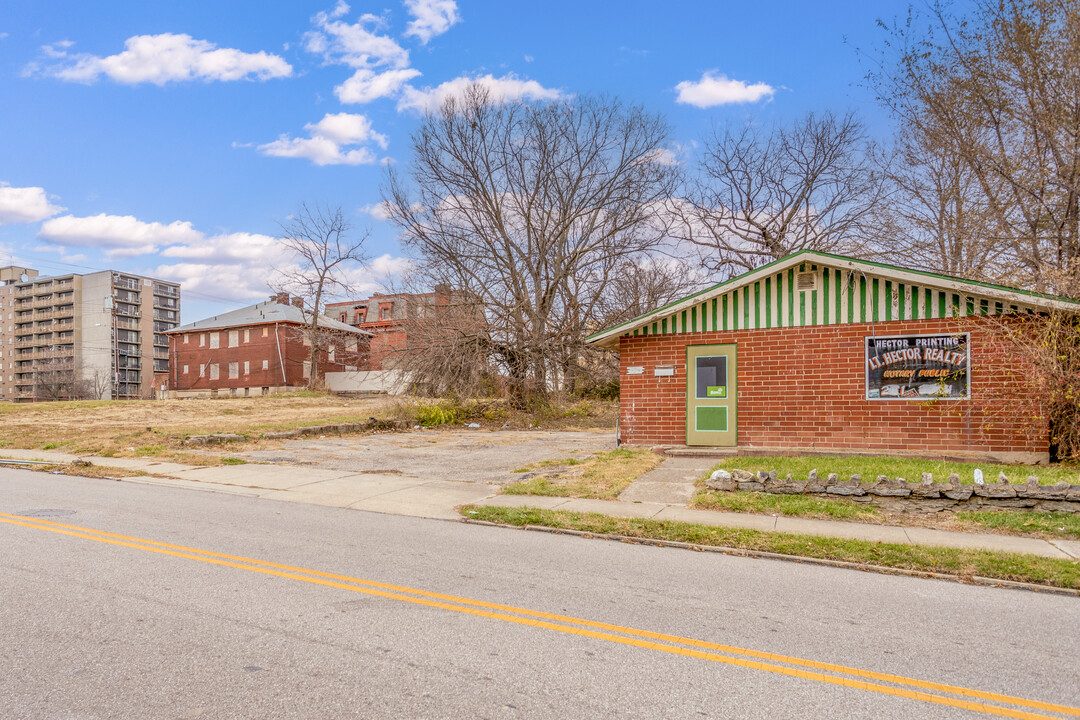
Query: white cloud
point(504, 89)
point(342, 8)
point(119, 235)
point(366, 85)
point(327, 140)
point(713, 90)
point(25, 205)
point(431, 18)
point(240, 282)
point(164, 58)
point(662, 156)
point(355, 45)
point(389, 265)
point(378, 211)
point(227, 247)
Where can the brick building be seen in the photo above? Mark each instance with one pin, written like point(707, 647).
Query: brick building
point(258, 350)
point(388, 318)
point(818, 352)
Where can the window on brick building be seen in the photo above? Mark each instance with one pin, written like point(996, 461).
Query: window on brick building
point(247, 334)
point(344, 315)
point(247, 367)
point(266, 364)
point(186, 336)
point(234, 338)
point(330, 355)
point(215, 340)
point(202, 371)
point(350, 345)
point(307, 368)
point(185, 370)
point(234, 370)
point(215, 371)
point(202, 339)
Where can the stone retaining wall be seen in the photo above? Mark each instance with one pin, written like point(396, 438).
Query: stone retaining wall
point(899, 494)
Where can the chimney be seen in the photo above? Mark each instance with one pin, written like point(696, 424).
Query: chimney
point(281, 298)
point(297, 302)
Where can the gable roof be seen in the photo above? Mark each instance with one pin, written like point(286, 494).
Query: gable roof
point(843, 290)
point(263, 313)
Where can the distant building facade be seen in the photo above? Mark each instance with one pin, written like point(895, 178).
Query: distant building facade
point(391, 319)
point(258, 350)
point(97, 335)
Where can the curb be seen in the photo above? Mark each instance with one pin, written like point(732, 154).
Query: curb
point(741, 552)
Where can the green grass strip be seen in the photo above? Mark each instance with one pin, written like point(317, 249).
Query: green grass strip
point(953, 561)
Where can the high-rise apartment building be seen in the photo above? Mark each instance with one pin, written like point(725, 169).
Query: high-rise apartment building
point(98, 335)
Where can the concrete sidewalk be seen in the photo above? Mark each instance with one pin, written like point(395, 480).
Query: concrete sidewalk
point(420, 497)
point(378, 492)
point(1062, 549)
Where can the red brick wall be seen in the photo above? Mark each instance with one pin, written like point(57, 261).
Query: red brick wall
point(293, 353)
point(805, 388)
point(390, 339)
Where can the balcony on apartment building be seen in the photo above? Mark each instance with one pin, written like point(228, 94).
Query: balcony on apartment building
point(127, 390)
point(128, 310)
point(65, 312)
point(167, 290)
point(127, 283)
point(165, 302)
point(56, 353)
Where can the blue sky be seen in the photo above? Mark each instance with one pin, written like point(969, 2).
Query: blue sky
point(170, 139)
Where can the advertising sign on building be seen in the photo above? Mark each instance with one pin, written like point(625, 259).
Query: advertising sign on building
point(918, 367)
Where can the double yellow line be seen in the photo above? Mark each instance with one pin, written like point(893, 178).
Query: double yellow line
point(884, 683)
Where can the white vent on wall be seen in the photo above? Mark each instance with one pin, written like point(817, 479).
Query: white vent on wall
point(806, 281)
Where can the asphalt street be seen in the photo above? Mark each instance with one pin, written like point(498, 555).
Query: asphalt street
point(122, 600)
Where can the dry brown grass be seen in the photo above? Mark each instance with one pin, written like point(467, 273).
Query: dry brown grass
point(602, 476)
point(156, 428)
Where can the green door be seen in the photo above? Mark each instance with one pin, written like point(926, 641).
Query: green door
point(711, 395)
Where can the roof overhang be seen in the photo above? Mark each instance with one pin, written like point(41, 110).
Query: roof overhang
point(609, 338)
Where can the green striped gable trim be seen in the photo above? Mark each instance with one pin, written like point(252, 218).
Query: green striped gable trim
point(811, 288)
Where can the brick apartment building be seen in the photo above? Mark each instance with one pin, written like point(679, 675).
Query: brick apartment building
point(96, 335)
point(258, 350)
point(388, 318)
point(818, 352)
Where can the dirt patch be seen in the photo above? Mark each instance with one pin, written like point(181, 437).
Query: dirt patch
point(475, 456)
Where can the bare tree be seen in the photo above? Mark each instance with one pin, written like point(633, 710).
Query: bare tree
point(326, 250)
point(96, 385)
point(761, 195)
point(54, 380)
point(531, 209)
point(937, 216)
point(1000, 90)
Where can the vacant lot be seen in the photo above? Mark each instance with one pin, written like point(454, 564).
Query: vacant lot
point(153, 427)
point(160, 427)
